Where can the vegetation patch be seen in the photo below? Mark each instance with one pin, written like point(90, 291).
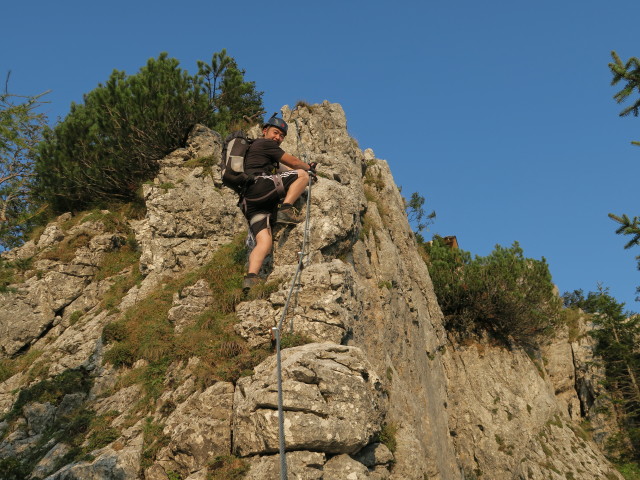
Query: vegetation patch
point(121, 285)
point(102, 433)
point(166, 186)
point(302, 104)
point(51, 390)
point(71, 429)
point(389, 374)
point(13, 272)
point(113, 221)
point(263, 290)
point(502, 446)
point(13, 469)
point(571, 318)
point(207, 163)
point(374, 180)
point(227, 467)
point(556, 421)
point(289, 340)
point(629, 470)
point(547, 451)
point(367, 225)
point(505, 294)
point(153, 440)
point(10, 366)
point(39, 370)
point(117, 260)
point(145, 333)
point(387, 436)
point(372, 196)
point(65, 251)
point(616, 335)
point(75, 317)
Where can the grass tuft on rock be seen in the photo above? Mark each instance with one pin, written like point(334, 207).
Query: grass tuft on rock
point(144, 332)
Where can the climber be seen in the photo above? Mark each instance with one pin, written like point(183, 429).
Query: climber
point(261, 199)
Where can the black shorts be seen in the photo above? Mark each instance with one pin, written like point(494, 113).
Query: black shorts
point(262, 198)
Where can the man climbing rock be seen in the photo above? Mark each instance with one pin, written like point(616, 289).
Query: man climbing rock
point(261, 199)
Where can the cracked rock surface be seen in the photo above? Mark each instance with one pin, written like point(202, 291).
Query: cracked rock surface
point(331, 398)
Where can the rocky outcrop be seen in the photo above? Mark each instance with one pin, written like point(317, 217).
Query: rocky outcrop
point(377, 392)
point(332, 397)
point(511, 415)
point(38, 304)
point(198, 430)
point(188, 216)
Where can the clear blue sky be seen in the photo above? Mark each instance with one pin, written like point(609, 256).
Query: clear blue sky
point(500, 113)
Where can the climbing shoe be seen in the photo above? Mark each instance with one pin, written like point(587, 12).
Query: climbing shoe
point(288, 216)
point(250, 280)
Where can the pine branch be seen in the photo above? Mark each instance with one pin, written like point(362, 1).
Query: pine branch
point(628, 227)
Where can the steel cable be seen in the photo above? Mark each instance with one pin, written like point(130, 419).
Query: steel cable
point(276, 331)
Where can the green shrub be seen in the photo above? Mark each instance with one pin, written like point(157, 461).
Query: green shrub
point(24, 362)
point(109, 145)
point(616, 333)
point(121, 354)
point(630, 471)
point(106, 146)
point(504, 294)
point(7, 275)
point(12, 469)
point(102, 433)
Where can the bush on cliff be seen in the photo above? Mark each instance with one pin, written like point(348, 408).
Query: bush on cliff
point(616, 333)
point(504, 293)
point(108, 145)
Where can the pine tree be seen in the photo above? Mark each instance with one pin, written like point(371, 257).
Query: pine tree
point(232, 101)
point(21, 128)
point(108, 145)
point(628, 72)
point(417, 216)
point(505, 294)
point(617, 333)
point(111, 142)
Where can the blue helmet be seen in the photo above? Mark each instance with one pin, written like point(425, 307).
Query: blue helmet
point(276, 122)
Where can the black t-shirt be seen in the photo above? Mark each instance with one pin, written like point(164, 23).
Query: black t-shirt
point(263, 157)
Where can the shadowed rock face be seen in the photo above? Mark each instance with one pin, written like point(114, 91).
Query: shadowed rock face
point(380, 367)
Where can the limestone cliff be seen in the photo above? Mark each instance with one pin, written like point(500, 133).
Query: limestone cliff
point(377, 390)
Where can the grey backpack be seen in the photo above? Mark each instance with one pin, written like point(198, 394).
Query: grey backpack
point(235, 149)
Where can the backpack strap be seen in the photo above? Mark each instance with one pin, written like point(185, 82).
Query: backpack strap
point(277, 180)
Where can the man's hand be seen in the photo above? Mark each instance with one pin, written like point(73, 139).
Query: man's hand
point(312, 171)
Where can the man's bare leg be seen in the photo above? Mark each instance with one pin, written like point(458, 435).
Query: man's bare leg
point(297, 187)
point(264, 241)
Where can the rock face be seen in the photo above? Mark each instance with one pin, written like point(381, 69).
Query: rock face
point(509, 420)
point(332, 397)
point(377, 392)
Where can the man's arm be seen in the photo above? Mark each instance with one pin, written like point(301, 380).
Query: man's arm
point(293, 162)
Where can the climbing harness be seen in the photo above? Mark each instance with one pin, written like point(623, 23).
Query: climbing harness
point(304, 252)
